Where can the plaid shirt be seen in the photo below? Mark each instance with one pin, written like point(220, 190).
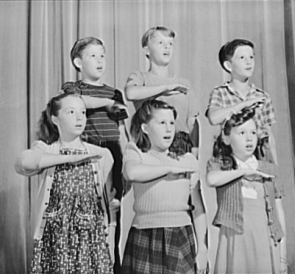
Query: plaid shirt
point(224, 96)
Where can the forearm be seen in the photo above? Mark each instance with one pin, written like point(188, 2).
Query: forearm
point(96, 102)
point(133, 171)
point(281, 217)
point(220, 177)
point(217, 115)
point(273, 147)
point(200, 220)
point(144, 92)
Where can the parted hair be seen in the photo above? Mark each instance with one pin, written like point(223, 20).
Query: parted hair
point(47, 131)
point(227, 51)
point(80, 45)
point(142, 116)
point(222, 151)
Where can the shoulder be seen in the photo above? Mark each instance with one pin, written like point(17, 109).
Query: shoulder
point(191, 160)
point(259, 91)
point(213, 164)
point(72, 86)
point(132, 152)
point(268, 168)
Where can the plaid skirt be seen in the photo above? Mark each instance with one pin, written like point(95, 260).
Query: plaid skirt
point(160, 251)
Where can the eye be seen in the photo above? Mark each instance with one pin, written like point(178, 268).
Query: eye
point(242, 132)
point(71, 112)
point(171, 43)
point(172, 123)
point(254, 132)
point(92, 55)
point(160, 42)
point(84, 112)
point(242, 57)
point(252, 57)
point(102, 56)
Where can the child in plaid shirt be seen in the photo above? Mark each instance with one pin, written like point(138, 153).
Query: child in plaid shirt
point(237, 58)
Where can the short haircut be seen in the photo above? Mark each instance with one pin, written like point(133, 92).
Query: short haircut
point(151, 32)
point(81, 44)
point(227, 51)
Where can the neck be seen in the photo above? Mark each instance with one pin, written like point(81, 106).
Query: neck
point(242, 87)
point(75, 143)
point(161, 71)
point(92, 82)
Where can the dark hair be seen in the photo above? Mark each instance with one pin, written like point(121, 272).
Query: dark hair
point(227, 51)
point(222, 151)
point(47, 130)
point(151, 32)
point(81, 44)
point(142, 116)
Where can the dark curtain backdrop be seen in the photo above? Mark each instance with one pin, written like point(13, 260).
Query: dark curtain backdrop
point(36, 38)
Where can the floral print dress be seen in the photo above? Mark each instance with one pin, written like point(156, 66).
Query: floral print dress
point(74, 238)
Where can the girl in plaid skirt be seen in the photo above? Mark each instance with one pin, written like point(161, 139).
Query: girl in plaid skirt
point(166, 226)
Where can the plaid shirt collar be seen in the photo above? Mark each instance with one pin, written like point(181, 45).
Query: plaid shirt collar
point(253, 89)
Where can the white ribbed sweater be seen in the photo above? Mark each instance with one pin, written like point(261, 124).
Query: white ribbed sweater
point(162, 202)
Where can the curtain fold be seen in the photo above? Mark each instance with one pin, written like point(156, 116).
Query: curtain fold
point(37, 37)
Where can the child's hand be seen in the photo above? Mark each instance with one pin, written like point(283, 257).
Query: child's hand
point(253, 103)
point(80, 158)
point(182, 170)
point(117, 107)
point(251, 174)
point(173, 89)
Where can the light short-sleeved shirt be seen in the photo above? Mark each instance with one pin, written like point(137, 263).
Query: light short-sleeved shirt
point(224, 96)
point(185, 105)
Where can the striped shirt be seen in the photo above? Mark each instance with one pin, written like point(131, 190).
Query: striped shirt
point(101, 123)
point(224, 96)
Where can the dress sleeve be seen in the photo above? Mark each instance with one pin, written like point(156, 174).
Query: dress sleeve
point(213, 164)
point(28, 162)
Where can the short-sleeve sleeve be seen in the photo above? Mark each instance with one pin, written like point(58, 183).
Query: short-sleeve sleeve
point(135, 79)
point(213, 164)
point(268, 112)
point(28, 162)
point(215, 99)
point(132, 153)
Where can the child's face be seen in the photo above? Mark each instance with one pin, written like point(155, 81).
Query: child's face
point(160, 49)
point(93, 63)
point(243, 140)
point(71, 119)
point(160, 129)
point(242, 63)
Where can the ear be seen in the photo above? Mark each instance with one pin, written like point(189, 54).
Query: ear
point(227, 65)
point(144, 128)
point(146, 51)
point(78, 62)
point(54, 120)
point(226, 139)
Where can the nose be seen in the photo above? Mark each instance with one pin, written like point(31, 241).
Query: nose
point(79, 116)
point(249, 137)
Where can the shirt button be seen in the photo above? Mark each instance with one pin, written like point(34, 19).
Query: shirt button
point(95, 172)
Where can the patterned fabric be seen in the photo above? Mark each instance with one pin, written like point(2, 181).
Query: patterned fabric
point(224, 96)
point(101, 123)
point(160, 251)
point(74, 239)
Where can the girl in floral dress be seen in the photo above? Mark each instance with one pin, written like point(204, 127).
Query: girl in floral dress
point(75, 211)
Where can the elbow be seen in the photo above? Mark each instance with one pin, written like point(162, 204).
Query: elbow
point(129, 94)
point(24, 166)
point(213, 119)
point(210, 181)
